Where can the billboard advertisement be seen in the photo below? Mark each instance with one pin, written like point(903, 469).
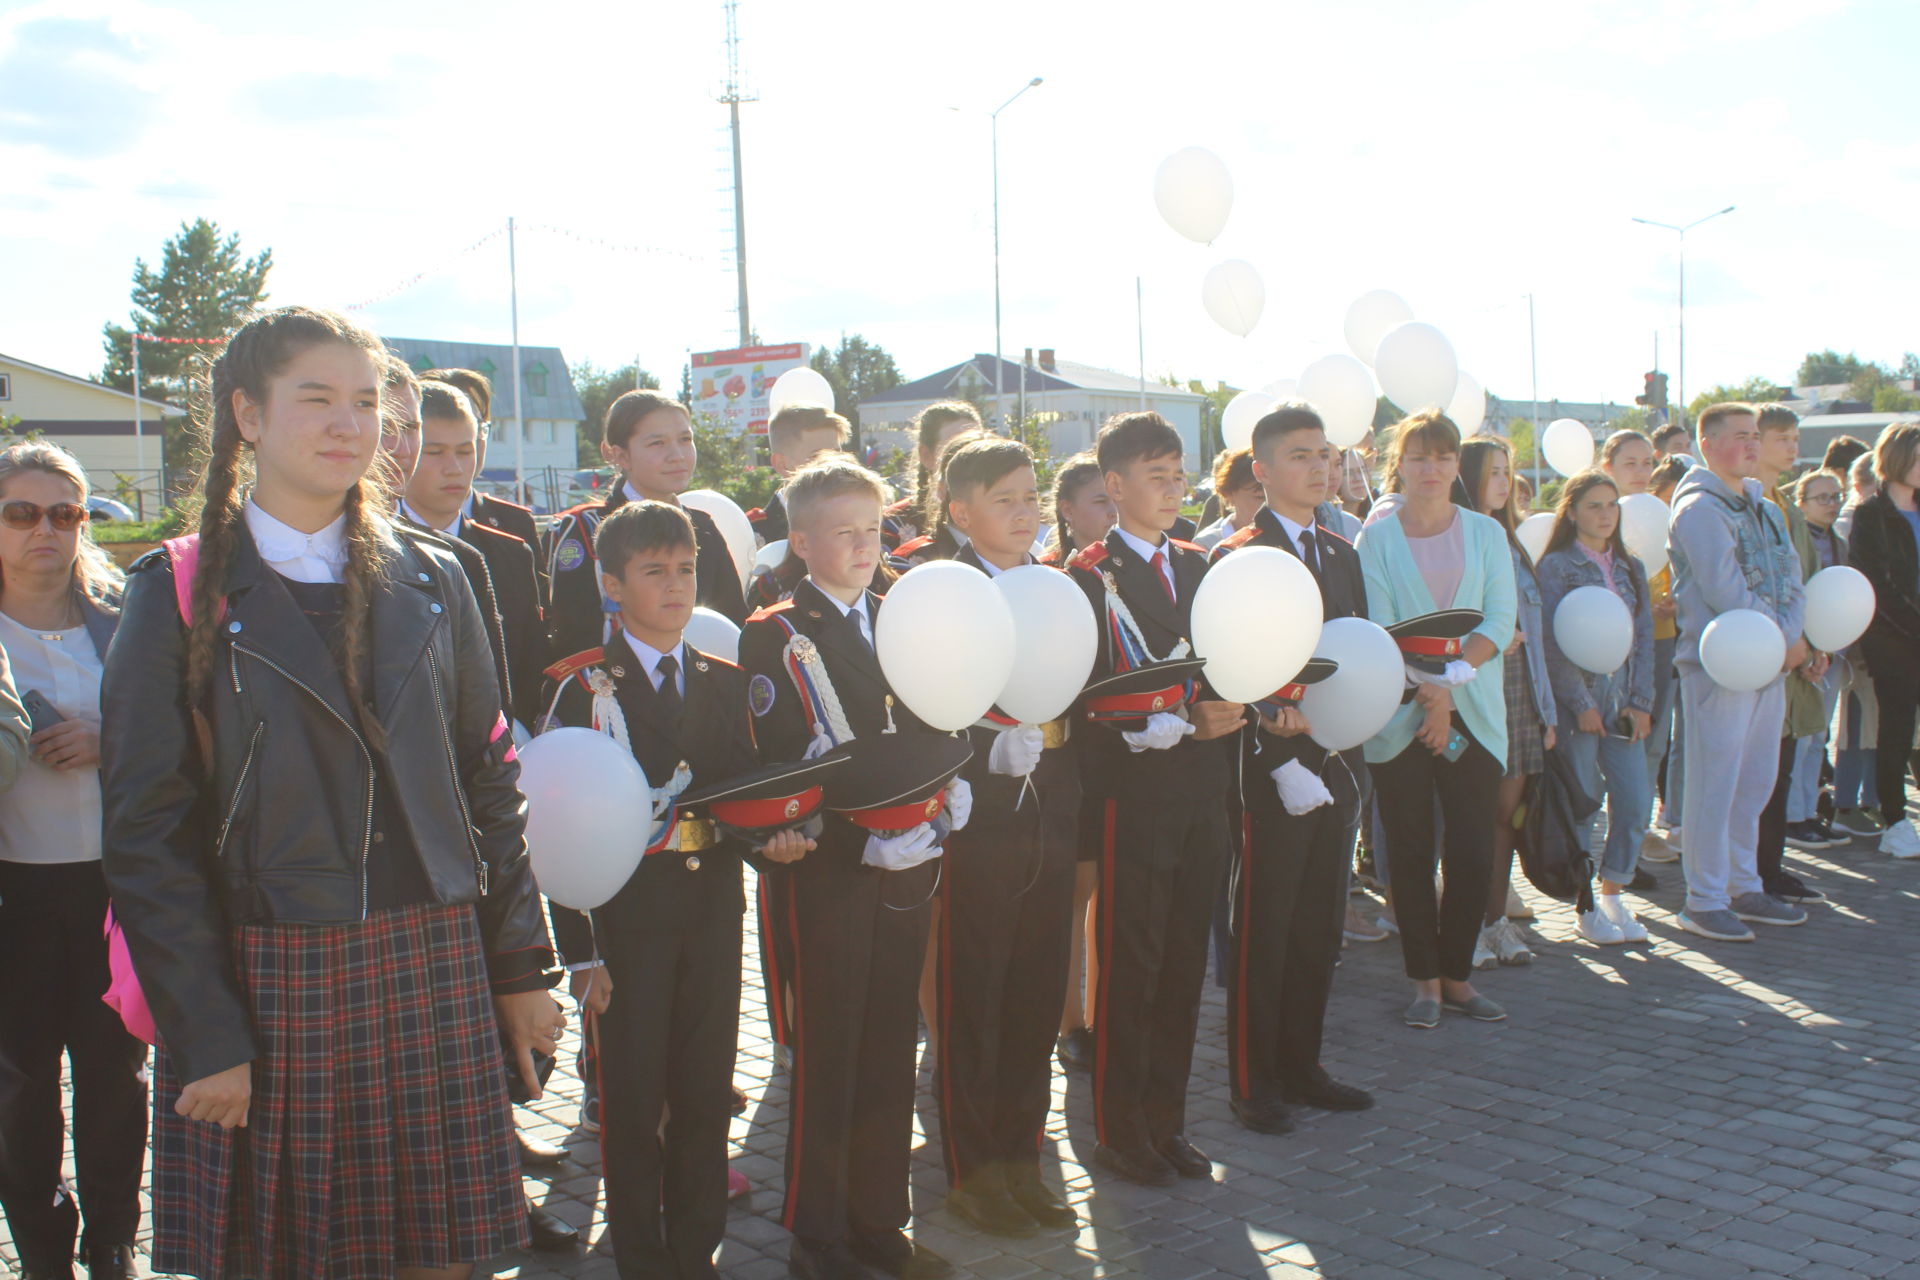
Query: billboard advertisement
point(733, 385)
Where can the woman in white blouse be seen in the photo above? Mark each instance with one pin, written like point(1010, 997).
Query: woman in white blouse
point(58, 606)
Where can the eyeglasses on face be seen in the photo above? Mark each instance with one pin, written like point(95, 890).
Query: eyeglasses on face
point(63, 516)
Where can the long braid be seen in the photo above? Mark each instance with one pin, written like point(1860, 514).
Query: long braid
point(370, 547)
point(228, 468)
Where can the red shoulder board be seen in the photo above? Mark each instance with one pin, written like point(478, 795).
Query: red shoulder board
point(912, 548)
point(1233, 543)
point(1187, 546)
point(761, 615)
point(714, 658)
point(1089, 557)
point(900, 507)
point(1325, 532)
point(1050, 557)
point(578, 508)
point(578, 662)
point(756, 515)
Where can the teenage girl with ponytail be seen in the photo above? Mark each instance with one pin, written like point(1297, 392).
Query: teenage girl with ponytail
point(933, 427)
point(313, 839)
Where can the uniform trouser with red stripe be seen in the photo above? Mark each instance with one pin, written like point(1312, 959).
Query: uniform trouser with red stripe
point(1006, 925)
point(666, 1047)
point(776, 958)
point(859, 941)
point(1161, 860)
point(1289, 892)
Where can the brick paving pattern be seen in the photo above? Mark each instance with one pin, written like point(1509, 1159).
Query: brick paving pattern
point(1682, 1108)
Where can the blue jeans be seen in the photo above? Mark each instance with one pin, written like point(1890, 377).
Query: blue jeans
point(1620, 767)
point(1854, 786)
point(1803, 793)
point(1665, 688)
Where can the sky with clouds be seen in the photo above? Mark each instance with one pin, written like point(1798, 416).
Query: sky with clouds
point(1465, 154)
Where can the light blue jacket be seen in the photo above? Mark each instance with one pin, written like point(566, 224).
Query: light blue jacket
point(1396, 592)
point(1531, 621)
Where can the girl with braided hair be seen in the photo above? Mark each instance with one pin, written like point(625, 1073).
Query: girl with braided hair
point(313, 839)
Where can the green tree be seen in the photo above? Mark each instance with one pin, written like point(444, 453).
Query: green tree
point(204, 288)
point(1874, 387)
point(599, 388)
point(1520, 438)
point(856, 369)
point(1635, 419)
point(1910, 366)
point(1824, 368)
point(729, 463)
point(1754, 390)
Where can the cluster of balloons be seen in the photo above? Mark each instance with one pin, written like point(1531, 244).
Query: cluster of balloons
point(1194, 193)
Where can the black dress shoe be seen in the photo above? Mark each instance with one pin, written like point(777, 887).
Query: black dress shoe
point(1075, 1050)
point(535, 1154)
point(1262, 1115)
point(892, 1253)
point(1045, 1208)
point(550, 1234)
point(1143, 1165)
point(991, 1209)
point(814, 1260)
point(1187, 1160)
point(110, 1262)
point(1323, 1091)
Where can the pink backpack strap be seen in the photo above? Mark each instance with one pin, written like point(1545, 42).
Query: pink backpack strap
point(183, 553)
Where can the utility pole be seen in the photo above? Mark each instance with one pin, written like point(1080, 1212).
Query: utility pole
point(1680, 370)
point(1533, 364)
point(993, 123)
point(519, 416)
point(733, 93)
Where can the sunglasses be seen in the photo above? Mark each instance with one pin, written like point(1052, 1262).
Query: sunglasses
point(63, 516)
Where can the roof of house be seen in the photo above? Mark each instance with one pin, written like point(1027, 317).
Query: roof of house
point(166, 409)
point(559, 402)
point(1066, 376)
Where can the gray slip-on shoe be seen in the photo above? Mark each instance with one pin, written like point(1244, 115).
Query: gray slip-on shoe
point(1480, 1009)
point(1721, 926)
point(1761, 908)
point(1422, 1013)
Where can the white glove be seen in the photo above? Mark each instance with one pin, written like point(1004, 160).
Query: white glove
point(959, 805)
point(908, 849)
point(1301, 790)
point(1457, 673)
point(1016, 751)
point(1164, 729)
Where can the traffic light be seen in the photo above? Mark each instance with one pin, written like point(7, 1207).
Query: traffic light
point(1654, 393)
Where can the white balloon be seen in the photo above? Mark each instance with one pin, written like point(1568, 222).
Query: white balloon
point(1369, 316)
point(1840, 604)
point(1743, 650)
point(1468, 408)
point(1241, 415)
point(770, 557)
point(575, 780)
point(1234, 295)
point(1417, 367)
point(734, 526)
point(1643, 527)
point(801, 385)
point(1055, 641)
point(713, 633)
point(1283, 388)
point(1567, 446)
point(1355, 702)
point(945, 641)
point(1594, 628)
point(1533, 534)
point(1341, 391)
point(1194, 193)
point(1256, 618)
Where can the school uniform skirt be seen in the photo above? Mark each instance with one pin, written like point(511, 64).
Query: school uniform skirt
point(380, 1133)
point(1526, 733)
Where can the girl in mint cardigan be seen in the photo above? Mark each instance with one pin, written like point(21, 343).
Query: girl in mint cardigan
point(1429, 555)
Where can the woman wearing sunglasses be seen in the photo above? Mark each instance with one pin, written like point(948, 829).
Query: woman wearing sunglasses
point(59, 602)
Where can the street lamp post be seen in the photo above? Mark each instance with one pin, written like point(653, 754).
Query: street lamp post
point(1680, 374)
point(994, 120)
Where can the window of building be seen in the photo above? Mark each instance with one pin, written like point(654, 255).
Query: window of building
point(6, 386)
point(536, 376)
point(421, 363)
point(485, 368)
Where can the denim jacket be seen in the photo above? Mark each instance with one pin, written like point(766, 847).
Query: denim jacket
point(1532, 625)
point(1579, 690)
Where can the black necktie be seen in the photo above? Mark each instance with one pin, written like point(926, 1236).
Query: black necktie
point(669, 690)
point(1310, 550)
point(857, 619)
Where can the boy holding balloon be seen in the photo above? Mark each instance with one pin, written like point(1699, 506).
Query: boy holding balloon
point(661, 958)
point(1157, 767)
point(856, 907)
point(1299, 800)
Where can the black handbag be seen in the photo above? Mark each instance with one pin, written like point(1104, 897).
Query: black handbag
point(1551, 826)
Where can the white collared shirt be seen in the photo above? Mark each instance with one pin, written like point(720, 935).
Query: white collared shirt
point(858, 607)
point(1298, 533)
point(650, 659)
point(452, 530)
point(994, 570)
point(304, 557)
point(1146, 551)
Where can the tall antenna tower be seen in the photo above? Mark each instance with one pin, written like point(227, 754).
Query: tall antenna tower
point(733, 93)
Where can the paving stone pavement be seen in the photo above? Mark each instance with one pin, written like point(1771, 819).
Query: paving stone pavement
point(1682, 1108)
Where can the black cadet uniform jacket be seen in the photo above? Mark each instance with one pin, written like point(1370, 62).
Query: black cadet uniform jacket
point(576, 620)
point(711, 735)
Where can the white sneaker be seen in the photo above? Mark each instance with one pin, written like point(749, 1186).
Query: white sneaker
point(1517, 908)
point(1901, 840)
point(1599, 930)
point(1510, 944)
point(1654, 849)
point(1484, 955)
point(1617, 914)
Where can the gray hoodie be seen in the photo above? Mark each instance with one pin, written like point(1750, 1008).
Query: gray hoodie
point(1730, 551)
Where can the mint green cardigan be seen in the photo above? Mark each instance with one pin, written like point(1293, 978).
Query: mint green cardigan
point(1396, 592)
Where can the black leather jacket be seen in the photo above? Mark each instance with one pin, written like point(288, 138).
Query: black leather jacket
point(276, 826)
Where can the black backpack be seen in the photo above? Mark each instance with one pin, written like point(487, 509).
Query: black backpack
point(1551, 823)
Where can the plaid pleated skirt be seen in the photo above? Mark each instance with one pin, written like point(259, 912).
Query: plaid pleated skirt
point(1526, 732)
point(380, 1133)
